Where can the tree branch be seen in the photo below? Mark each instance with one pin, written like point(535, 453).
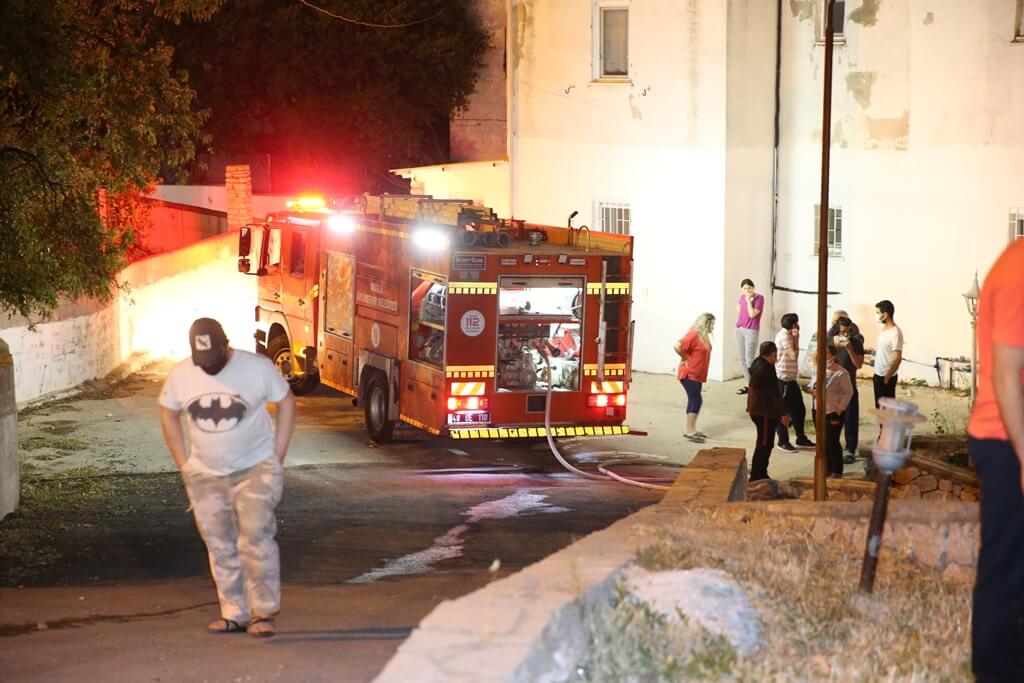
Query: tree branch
point(357, 22)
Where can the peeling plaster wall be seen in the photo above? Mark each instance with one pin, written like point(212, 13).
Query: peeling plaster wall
point(657, 143)
point(167, 292)
point(926, 162)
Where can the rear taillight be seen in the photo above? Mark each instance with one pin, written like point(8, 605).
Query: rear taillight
point(467, 403)
point(605, 400)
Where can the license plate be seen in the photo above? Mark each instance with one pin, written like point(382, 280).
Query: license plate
point(469, 418)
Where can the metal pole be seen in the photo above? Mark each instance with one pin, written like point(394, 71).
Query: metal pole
point(820, 467)
point(974, 357)
point(874, 540)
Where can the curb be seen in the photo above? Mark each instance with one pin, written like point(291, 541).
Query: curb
point(525, 627)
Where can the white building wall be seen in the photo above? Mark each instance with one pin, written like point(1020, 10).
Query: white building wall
point(926, 161)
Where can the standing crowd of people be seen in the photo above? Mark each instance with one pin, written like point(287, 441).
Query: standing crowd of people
point(771, 371)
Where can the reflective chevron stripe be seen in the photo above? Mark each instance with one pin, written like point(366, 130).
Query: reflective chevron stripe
point(606, 387)
point(467, 389)
point(610, 369)
point(534, 432)
point(473, 288)
point(418, 424)
point(609, 287)
point(469, 371)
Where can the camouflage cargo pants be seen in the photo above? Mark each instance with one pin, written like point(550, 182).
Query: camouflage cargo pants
point(236, 519)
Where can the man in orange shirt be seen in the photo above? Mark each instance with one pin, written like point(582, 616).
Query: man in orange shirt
point(996, 442)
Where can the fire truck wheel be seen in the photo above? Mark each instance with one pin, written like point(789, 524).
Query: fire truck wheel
point(280, 352)
point(378, 426)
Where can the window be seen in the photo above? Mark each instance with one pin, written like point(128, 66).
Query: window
point(274, 250)
point(835, 230)
point(611, 42)
point(539, 316)
point(1018, 24)
point(612, 217)
point(838, 20)
point(1016, 224)
point(428, 294)
point(339, 306)
point(297, 265)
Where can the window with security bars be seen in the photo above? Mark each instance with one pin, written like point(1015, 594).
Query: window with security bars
point(1016, 224)
point(612, 217)
point(835, 230)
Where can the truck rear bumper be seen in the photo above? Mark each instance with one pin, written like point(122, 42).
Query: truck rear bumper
point(516, 432)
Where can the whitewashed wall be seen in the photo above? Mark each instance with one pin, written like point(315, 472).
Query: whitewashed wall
point(214, 198)
point(926, 162)
point(481, 181)
point(167, 292)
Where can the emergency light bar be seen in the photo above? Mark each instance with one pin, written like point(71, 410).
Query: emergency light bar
point(341, 224)
point(308, 202)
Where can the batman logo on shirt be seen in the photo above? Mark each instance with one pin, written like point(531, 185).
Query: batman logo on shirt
point(216, 413)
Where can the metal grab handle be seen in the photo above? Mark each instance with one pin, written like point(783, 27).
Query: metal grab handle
point(302, 302)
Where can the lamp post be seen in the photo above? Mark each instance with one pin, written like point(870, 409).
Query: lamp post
point(971, 299)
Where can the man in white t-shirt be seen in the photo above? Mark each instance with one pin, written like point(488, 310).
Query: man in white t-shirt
point(888, 351)
point(233, 473)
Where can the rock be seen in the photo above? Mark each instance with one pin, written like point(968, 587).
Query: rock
point(958, 574)
point(970, 494)
point(911, 491)
point(709, 597)
point(962, 545)
point(789, 491)
point(763, 489)
point(839, 495)
point(945, 485)
point(927, 483)
point(906, 475)
point(935, 495)
point(957, 489)
point(808, 494)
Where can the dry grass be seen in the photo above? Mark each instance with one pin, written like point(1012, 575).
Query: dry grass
point(816, 625)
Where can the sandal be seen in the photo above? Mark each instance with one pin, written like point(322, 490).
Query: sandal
point(261, 627)
point(224, 626)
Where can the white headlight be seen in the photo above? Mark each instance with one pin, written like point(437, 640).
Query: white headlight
point(431, 239)
point(341, 224)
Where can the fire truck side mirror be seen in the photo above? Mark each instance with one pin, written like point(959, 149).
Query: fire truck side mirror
point(244, 243)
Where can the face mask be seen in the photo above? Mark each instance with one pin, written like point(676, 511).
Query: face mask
point(216, 366)
point(880, 318)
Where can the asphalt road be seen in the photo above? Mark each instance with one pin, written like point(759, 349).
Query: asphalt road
point(110, 582)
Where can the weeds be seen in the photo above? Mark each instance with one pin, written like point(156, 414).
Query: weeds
point(816, 624)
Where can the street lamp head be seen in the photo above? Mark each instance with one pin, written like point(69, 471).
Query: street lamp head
point(971, 297)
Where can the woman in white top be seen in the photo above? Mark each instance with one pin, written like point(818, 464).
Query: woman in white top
point(838, 392)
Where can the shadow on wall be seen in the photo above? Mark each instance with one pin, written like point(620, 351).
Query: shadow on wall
point(165, 294)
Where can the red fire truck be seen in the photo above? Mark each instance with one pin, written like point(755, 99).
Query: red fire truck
point(437, 314)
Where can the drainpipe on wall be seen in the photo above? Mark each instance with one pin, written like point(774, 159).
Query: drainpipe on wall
point(510, 102)
point(775, 154)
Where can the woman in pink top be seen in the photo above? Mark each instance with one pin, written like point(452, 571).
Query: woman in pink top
point(694, 351)
point(748, 324)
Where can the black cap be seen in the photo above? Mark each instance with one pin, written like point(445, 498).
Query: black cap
point(207, 339)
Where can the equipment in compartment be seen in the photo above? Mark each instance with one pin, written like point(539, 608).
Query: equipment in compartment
point(520, 361)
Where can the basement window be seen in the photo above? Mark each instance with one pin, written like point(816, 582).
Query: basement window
point(838, 20)
point(835, 230)
point(1016, 224)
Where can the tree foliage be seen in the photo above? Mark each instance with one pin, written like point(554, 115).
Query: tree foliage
point(318, 92)
point(90, 101)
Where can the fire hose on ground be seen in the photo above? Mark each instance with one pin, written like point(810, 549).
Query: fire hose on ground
point(605, 472)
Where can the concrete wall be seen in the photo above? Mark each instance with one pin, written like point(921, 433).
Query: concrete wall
point(215, 198)
point(86, 340)
point(926, 162)
point(9, 479)
point(173, 226)
point(484, 181)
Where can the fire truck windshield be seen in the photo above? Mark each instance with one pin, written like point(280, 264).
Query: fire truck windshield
point(539, 316)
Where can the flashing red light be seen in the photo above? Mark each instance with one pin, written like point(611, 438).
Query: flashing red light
point(467, 403)
point(605, 400)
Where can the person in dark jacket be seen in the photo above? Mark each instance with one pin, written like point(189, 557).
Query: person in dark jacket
point(766, 408)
